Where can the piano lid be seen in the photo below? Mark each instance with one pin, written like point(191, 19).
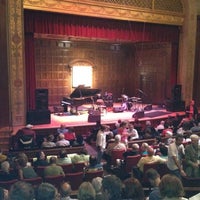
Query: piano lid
point(83, 92)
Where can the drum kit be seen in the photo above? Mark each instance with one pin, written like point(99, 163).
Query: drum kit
point(131, 103)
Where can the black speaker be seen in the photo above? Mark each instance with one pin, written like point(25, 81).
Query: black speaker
point(175, 106)
point(176, 93)
point(41, 99)
point(38, 117)
point(138, 114)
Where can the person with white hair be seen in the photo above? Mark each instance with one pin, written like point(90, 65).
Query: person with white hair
point(160, 126)
point(135, 150)
point(97, 184)
point(191, 157)
point(117, 144)
point(6, 174)
point(62, 141)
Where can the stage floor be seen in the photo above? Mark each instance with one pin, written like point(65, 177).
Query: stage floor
point(108, 117)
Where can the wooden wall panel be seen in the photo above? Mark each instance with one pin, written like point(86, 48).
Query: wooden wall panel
point(4, 88)
point(123, 70)
point(196, 93)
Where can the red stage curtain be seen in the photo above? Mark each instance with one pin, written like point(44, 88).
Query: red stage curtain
point(90, 27)
point(81, 26)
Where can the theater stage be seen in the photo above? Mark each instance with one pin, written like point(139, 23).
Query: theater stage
point(107, 117)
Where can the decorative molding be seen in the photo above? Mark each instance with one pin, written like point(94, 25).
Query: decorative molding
point(16, 61)
point(110, 10)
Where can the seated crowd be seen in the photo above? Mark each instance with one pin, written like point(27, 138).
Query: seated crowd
point(175, 144)
point(108, 187)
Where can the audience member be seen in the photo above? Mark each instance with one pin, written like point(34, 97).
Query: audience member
point(3, 157)
point(122, 130)
point(86, 191)
point(21, 191)
point(62, 141)
point(53, 169)
point(101, 142)
point(167, 129)
point(26, 137)
point(154, 178)
point(62, 129)
point(65, 191)
point(163, 151)
point(176, 121)
point(132, 132)
point(175, 157)
point(70, 135)
point(63, 158)
point(149, 131)
point(191, 157)
point(41, 159)
point(192, 110)
point(93, 165)
point(79, 140)
point(196, 127)
point(93, 133)
point(135, 150)
point(117, 144)
point(6, 174)
point(3, 194)
point(143, 149)
point(132, 189)
point(48, 142)
point(171, 188)
point(46, 191)
point(160, 127)
point(112, 188)
point(150, 158)
point(25, 170)
point(82, 157)
point(138, 126)
point(97, 184)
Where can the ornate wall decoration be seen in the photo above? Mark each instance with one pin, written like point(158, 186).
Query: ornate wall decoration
point(16, 61)
point(153, 11)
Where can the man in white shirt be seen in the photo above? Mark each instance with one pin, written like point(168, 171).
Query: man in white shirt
point(174, 157)
point(133, 133)
point(101, 142)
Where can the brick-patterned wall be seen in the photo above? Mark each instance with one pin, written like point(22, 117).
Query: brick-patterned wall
point(123, 69)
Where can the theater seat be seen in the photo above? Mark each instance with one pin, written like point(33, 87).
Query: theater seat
point(75, 179)
point(93, 174)
point(130, 162)
point(116, 154)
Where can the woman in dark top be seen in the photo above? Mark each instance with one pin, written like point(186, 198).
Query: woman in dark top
point(6, 174)
point(25, 171)
point(41, 160)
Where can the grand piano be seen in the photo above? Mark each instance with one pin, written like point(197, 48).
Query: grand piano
point(78, 97)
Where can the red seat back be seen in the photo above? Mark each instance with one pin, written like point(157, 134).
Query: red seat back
point(130, 162)
point(55, 180)
point(75, 179)
point(116, 154)
point(93, 174)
